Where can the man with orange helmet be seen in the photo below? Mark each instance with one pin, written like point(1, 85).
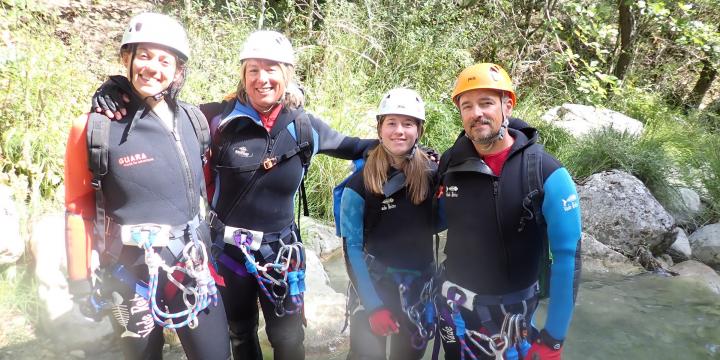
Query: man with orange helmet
point(507, 204)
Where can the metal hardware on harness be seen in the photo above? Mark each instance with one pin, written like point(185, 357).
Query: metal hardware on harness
point(268, 163)
point(195, 298)
point(250, 238)
point(458, 294)
point(289, 265)
point(140, 234)
point(421, 314)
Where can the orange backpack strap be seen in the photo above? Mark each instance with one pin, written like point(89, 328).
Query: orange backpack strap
point(79, 204)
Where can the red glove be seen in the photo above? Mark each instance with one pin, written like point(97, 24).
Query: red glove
point(540, 351)
point(382, 322)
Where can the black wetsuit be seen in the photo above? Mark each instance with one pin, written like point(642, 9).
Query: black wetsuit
point(489, 252)
point(262, 200)
point(155, 176)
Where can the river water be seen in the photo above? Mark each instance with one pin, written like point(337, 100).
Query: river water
point(642, 317)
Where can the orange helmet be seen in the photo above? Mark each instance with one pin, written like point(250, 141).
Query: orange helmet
point(483, 76)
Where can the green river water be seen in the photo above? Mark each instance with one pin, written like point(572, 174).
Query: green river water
point(645, 317)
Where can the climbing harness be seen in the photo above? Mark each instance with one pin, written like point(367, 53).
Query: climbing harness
point(510, 340)
point(421, 313)
point(195, 298)
point(289, 264)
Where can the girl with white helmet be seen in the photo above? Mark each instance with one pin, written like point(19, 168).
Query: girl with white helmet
point(387, 225)
point(135, 220)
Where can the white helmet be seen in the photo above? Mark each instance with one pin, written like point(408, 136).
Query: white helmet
point(402, 101)
point(268, 45)
point(157, 29)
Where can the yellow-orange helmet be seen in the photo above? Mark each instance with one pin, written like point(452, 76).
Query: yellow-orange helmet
point(483, 76)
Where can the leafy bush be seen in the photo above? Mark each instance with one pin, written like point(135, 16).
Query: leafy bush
point(608, 149)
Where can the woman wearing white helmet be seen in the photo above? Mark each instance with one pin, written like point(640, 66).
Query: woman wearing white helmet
point(262, 144)
point(387, 225)
point(135, 219)
point(263, 141)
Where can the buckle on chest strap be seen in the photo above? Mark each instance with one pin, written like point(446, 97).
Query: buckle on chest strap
point(268, 163)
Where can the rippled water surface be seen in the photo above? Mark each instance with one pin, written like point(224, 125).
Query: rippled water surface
point(643, 317)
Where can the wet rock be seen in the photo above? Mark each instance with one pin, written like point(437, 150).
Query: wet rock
point(680, 249)
point(579, 120)
point(599, 258)
point(61, 320)
point(619, 211)
point(12, 245)
point(705, 244)
point(319, 237)
point(696, 271)
point(687, 207)
point(47, 244)
point(324, 310)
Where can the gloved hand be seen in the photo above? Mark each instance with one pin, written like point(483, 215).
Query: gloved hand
point(110, 99)
point(79, 289)
point(382, 322)
point(431, 153)
point(88, 300)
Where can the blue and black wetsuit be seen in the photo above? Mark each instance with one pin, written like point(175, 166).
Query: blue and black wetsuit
point(262, 200)
point(388, 241)
point(489, 252)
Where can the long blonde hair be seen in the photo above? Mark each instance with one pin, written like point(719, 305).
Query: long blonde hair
point(416, 170)
point(289, 99)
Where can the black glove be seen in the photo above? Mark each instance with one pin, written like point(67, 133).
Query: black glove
point(79, 289)
point(110, 98)
point(431, 153)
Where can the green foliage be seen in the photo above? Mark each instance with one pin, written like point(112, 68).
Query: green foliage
point(607, 149)
point(44, 87)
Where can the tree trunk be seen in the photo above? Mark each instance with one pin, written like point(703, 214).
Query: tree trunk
point(261, 19)
point(626, 24)
point(708, 73)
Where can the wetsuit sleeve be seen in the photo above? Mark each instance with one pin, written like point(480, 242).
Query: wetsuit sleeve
point(352, 210)
point(564, 229)
point(335, 144)
point(79, 203)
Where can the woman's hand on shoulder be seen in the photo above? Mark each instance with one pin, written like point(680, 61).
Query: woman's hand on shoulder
point(110, 99)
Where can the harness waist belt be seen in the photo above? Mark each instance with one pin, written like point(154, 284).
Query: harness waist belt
point(254, 238)
point(158, 235)
point(470, 300)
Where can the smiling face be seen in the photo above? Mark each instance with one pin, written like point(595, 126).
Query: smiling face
point(152, 70)
point(398, 133)
point(482, 112)
point(264, 83)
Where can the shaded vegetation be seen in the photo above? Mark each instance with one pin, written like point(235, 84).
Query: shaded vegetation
point(351, 52)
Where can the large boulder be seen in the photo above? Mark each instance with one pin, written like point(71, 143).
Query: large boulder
point(705, 244)
point(62, 320)
point(579, 120)
point(319, 237)
point(598, 258)
point(699, 272)
point(324, 310)
point(12, 245)
point(619, 211)
point(680, 249)
point(687, 207)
